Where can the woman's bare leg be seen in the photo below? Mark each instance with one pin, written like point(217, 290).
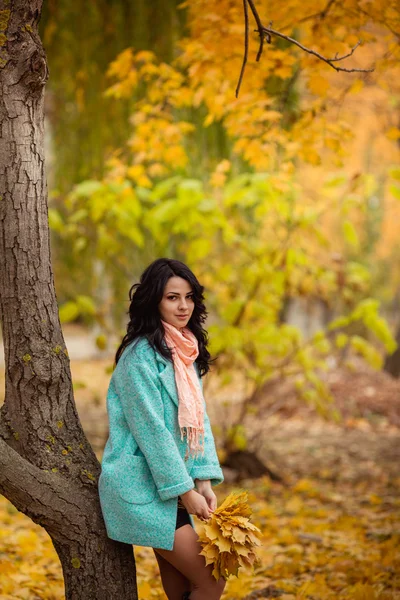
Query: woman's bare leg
point(174, 583)
point(185, 557)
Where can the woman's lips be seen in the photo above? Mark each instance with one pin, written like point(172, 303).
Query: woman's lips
point(182, 316)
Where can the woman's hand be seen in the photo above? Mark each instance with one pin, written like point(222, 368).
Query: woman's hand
point(204, 488)
point(196, 504)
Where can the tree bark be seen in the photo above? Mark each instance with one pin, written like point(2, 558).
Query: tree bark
point(48, 469)
point(392, 361)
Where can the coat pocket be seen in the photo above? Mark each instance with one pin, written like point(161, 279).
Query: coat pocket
point(134, 481)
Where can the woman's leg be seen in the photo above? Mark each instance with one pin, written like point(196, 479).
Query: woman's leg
point(174, 583)
point(185, 557)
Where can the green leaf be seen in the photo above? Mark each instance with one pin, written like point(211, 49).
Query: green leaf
point(136, 236)
point(237, 436)
point(163, 188)
point(365, 349)
point(335, 181)
point(101, 341)
point(79, 215)
point(86, 305)
point(231, 309)
point(341, 340)
point(339, 322)
point(55, 220)
point(86, 188)
point(189, 192)
point(395, 191)
point(79, 244)
point(350, 234)
point(68, 312)
point(200, 248)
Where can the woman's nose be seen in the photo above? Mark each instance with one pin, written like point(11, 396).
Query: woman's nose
point(182, 304)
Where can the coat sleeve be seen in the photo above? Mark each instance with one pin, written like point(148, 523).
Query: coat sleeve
point(207, 466)
point(140, 395)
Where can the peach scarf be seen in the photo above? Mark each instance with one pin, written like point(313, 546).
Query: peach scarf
point(184, 348)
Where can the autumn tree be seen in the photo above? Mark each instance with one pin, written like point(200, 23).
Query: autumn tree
point(48, 469)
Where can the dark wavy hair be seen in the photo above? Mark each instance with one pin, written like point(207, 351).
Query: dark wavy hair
point(145, 319)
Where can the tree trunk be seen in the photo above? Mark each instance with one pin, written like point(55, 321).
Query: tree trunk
point(48, 469)
point(392, 361)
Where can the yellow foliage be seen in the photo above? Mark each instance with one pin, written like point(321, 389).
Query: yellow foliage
point(228, 539)
point(205, 72)
point(318, 84)
point(393, 133)
point(218, 178)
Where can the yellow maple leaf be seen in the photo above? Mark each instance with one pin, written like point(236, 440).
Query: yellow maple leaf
point(223, 544)
point(212, 530)
point(238, 535)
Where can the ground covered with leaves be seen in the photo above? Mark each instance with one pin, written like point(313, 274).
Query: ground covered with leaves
point(331, 527)
point(325, 536)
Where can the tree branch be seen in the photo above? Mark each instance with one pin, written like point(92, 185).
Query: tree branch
point(47, 498)
point(246, 43)
point(267, 32)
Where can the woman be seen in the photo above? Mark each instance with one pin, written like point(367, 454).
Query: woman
point(159, 462)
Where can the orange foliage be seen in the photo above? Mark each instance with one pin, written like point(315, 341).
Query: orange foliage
point(294, 113)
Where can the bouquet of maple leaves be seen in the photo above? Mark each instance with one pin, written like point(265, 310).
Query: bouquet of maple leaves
point(229, 539)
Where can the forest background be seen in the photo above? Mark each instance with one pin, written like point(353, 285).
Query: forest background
point(285, 201)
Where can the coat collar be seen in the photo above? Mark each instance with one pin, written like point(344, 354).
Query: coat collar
point(166, 374)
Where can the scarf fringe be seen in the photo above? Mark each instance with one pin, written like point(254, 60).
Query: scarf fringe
point(195, 438)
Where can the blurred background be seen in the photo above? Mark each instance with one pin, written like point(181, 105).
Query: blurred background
point(285, 202)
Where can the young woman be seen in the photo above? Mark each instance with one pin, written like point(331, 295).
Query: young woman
point(159, 462)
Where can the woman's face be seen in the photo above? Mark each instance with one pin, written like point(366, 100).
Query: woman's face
point(177, 300)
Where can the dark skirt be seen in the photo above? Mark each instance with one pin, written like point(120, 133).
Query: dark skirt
point(182, 517)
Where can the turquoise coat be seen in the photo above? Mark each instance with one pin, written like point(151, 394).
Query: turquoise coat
point(143, 468)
